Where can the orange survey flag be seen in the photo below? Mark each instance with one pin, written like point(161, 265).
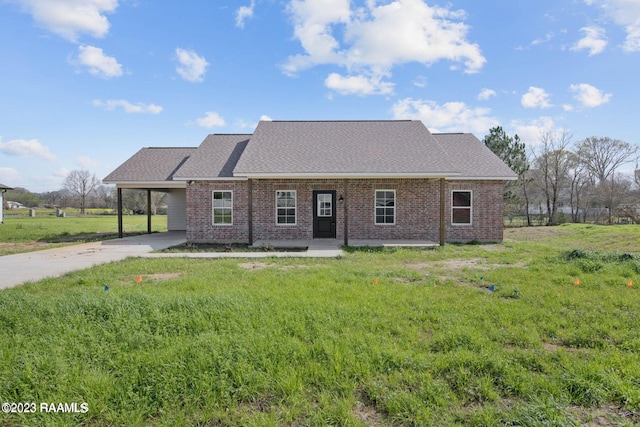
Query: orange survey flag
point(576, 283)
point(629, 284)
point(139, 279)
point(375, 281)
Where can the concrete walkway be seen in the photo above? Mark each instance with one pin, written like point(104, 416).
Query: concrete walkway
point(32, 266)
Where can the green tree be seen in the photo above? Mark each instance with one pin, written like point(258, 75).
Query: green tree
point(23, 196)
point(512, 151)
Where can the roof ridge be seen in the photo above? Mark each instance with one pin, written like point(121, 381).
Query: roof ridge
point(169, 148)
point(339, 121)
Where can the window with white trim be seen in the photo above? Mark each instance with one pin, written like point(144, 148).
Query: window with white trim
point(385, 210)
point(461, 207)
point(286, 205)
point(222, 207)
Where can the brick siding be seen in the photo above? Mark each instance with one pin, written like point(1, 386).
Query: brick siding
point(487, 210)
point(264, 208)
point(417, 210)
point(200, 227)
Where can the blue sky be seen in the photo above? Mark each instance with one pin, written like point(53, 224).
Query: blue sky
point(84, 84)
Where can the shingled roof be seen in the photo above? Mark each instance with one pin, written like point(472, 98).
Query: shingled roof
point(473, 159)
point(4, 187)
point(344, 148)
point(315, 149)
point(151, 165)
point(215, 158)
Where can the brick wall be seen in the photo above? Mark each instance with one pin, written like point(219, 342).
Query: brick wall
point(487, 212)
point(264, 208)
point(417, 210)
point(200, 226)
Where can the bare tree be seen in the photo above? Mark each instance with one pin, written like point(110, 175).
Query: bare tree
point(105, 196)
point(552, 161)
point(602, 156)
point(581, 187)
point(136, 201)
point(81, 183)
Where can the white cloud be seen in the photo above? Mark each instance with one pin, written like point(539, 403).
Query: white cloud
point(210, 119)
point(379, 36)
point(420, 81)
point(26, 148)
point(70, 18)
point(529, 132)
point(358, 85)
point(61, 173)
point(192, 66)
point(448, 117)
point(97, 62)
point(535, 98)
point(243, 13)
point(589, 96)
point(485, 94)
point(567, 107)
point(625, 13)
point(8, 176)
point(112, 104)
point(265, 118)
point(594, 40)
point(546, 39)
point(87, 162)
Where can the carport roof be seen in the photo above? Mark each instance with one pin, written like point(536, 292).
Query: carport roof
point(151, 165)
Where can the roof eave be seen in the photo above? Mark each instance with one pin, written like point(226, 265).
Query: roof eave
point(483, 178)
point(317, 175)
point(211, 178)
point(147, 184)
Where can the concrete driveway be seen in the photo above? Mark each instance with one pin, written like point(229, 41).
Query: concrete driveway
point(32, 266)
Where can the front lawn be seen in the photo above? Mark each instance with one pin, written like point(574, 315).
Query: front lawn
point(24, 234)
point(478, 335)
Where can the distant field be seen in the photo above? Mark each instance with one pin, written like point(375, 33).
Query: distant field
point(467, 335)
point(24, 233)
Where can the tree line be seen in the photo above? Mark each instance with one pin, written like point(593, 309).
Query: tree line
point(562, 180)
point(82, 190)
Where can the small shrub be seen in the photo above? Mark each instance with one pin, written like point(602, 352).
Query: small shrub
point(575, 254)
point(590, 266)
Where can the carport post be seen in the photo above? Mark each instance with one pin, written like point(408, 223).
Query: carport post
point(442, 212)
point(120, 234)
point(148, 211)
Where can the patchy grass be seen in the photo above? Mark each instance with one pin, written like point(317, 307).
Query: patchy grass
point(316, 342)
point(25, 234)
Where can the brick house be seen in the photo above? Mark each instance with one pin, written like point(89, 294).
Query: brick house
point(345, 180)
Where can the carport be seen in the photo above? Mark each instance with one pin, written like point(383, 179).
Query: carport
point(152, 169)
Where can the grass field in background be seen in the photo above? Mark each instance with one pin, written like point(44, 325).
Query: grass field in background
point(23, 234)
point(275, 342)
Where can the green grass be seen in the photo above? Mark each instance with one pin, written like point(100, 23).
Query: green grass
point(314, 342)
point(23, 234)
